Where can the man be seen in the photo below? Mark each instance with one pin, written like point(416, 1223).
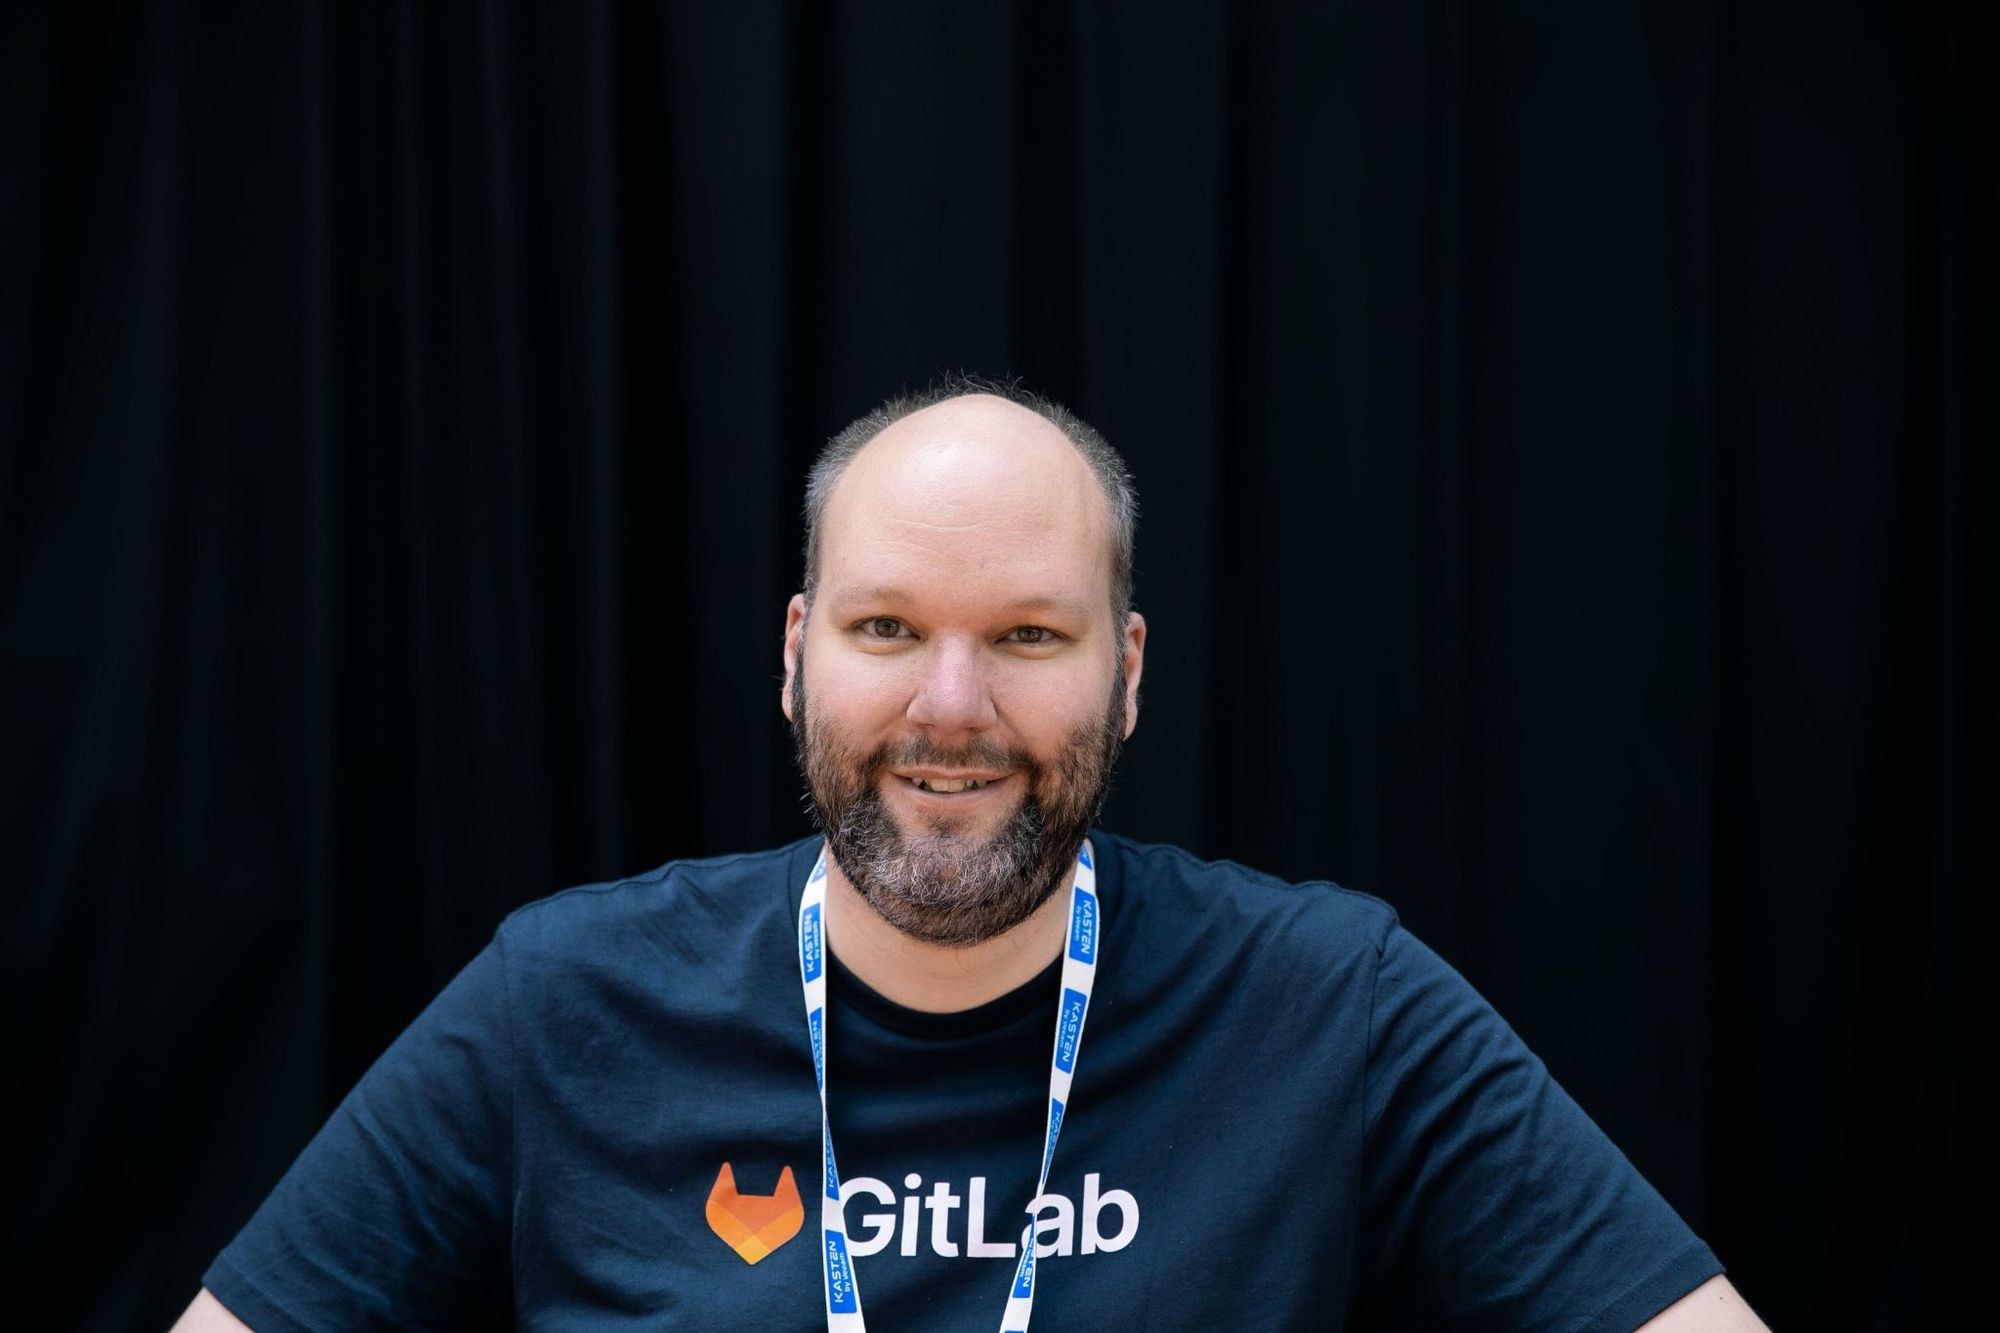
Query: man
point(1224, 1102)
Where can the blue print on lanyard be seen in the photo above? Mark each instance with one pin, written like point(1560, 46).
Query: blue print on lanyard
point(811, 956)
point(840, 1297)
point(1055, 1128)
point(1083, 855)
point(816, 1021)
point(1024, 1276)
point(1066, 1035)
point(1083, 928)
point(832, 1175)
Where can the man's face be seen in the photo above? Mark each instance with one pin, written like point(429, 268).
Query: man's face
point(966, 692)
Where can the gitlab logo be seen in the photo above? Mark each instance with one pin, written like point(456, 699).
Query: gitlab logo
point(754, 1225)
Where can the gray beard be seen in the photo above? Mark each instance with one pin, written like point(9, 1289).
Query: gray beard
point(936, 884)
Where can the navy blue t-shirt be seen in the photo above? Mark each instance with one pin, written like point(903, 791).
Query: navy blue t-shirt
point(1287, 1113)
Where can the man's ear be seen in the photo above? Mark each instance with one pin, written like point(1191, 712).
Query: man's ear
point(795, 628)
point(1135, 666)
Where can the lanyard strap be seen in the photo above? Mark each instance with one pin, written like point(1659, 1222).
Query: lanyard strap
point(1079, 971)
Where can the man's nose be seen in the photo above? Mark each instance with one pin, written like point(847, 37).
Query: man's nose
point(953, 694)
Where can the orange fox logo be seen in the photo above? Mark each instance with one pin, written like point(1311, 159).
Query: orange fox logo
point(754, 1225)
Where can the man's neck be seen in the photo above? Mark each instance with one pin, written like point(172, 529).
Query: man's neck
point(936, 978)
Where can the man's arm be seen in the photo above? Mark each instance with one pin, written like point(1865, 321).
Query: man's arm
point(1713, 1307)
point(398, 1211)
point(207, 1315)
point(1492, 1194)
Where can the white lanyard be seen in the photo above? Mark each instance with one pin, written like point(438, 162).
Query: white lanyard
point(1079, 970)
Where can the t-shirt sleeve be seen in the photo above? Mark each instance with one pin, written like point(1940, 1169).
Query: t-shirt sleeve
point(396, 1214)
point(1491, 1201)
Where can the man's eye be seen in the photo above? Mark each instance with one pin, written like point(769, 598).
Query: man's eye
point(882, 627)
point(1032, 635)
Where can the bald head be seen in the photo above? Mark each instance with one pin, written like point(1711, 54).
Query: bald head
point(975, 471)
point(968, 452)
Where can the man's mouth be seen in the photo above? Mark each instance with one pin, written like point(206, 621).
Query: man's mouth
point(942, 785)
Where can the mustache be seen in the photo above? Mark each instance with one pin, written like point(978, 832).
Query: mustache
point(919, 751)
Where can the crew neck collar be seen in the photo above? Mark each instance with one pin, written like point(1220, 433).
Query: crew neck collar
point(1039, 992)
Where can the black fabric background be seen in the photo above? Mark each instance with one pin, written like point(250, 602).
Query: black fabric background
point(1565, 436)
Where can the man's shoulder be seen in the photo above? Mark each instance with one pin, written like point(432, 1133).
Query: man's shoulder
point(682, 900)
point(1225, 892)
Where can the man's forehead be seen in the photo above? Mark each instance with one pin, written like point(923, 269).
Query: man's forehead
point(860, 597)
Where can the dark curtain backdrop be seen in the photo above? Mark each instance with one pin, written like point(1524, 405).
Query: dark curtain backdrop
point(1565, 434)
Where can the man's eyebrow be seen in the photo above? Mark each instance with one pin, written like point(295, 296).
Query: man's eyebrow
point(1067, 606)
point(878, 593)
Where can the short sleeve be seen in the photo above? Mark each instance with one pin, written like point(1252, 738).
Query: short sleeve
point(1490, 1200)
point(396, 1214)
